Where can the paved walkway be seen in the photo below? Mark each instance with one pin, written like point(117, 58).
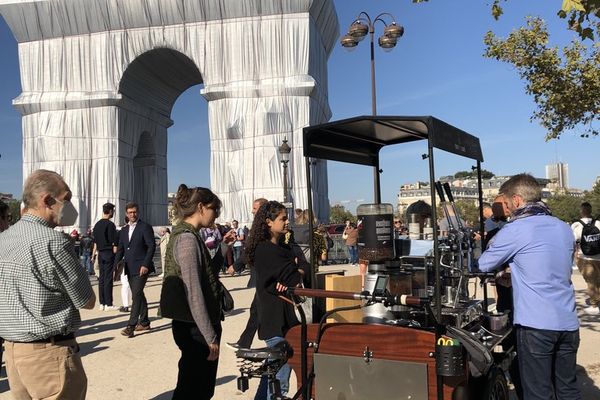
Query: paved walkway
point(145, 367)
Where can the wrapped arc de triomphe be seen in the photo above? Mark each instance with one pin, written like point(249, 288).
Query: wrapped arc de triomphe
point(100, 77)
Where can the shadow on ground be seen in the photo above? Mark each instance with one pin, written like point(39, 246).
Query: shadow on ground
point(91, 347)
point(225, 379)
point(589, 390)
point(165, 396)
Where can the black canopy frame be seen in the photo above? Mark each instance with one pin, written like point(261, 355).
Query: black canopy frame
point(359, 140)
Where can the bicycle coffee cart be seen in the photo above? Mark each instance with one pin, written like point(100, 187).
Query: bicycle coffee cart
point(439, 343)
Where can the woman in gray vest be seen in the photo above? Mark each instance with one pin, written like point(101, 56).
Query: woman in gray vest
point(191, 293)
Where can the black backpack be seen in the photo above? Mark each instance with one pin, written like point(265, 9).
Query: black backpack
point(590, 238)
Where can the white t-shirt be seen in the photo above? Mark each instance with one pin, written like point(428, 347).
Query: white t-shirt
point(577, 229)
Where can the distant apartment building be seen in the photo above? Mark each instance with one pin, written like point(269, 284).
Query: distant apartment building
point(462, 189)
point(558, 174)
point(6, 196)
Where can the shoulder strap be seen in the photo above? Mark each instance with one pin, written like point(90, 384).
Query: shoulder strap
point(584, 224)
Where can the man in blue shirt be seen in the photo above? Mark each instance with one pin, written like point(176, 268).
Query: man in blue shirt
point(539, 250)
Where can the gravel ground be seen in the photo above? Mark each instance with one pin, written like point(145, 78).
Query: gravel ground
point(145, 367)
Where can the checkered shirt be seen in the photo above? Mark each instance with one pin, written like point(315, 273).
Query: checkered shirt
point(42, 284)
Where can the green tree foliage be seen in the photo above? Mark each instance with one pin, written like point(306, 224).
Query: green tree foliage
point(15, 209)
point(468, 210)
point(565, 84)
point(485, 174)
point(565, 207)
point(593, 197)
point(339, 215)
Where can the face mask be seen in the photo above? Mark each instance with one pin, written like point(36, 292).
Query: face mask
point(68, 214)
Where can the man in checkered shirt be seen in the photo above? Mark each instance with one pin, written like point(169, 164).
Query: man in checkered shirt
point(42, 285)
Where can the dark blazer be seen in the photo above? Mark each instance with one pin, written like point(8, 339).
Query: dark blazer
point(137, 252)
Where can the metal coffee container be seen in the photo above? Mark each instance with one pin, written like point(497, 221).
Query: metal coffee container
point(375, 232)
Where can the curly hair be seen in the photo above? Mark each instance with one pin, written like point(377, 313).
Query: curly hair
point(260, 232)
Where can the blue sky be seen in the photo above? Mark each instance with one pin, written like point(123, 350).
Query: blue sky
point(436, 69)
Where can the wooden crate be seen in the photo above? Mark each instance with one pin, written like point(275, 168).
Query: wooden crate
point(345, 284)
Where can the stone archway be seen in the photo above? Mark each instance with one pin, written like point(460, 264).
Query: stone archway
point(86, 100)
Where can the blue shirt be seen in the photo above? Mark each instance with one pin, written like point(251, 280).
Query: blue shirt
point(539, 251)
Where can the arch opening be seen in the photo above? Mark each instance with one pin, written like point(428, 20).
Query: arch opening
point(150, 87)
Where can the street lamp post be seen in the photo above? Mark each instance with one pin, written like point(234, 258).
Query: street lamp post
point(284, 151)
point(357, 31)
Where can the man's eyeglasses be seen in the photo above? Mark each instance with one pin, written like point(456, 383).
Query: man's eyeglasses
point(396, 222)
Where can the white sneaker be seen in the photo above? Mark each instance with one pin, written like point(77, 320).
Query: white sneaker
point(591, 310)
point(101, 307)
point(111, 308)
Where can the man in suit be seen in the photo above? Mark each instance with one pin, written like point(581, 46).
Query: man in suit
point(136, 247)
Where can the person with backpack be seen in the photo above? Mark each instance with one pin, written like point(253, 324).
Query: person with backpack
point(587, 234)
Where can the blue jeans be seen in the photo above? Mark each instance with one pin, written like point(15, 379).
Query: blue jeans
point(237, 252)
point(548, 360)
point(86, 261)
point(353, 254)
point(283, 375)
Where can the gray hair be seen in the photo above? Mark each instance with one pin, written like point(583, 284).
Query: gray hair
point(42, 181)
point(523, 185)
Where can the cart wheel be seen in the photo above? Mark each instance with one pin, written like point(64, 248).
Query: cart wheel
point(495, 387)
point(490, 387)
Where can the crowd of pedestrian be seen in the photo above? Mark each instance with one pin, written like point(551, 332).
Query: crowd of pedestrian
point(43, 282)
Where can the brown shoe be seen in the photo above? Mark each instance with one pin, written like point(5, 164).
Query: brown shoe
point(128, 331)
point(141, 327)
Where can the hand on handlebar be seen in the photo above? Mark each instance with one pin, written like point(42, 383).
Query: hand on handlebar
point(280, 287)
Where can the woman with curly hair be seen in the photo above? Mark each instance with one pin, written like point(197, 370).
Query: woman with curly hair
point(275, 267)
point(191, 293)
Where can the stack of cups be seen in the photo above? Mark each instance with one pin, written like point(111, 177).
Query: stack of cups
point(414, 228)
point(428, 230)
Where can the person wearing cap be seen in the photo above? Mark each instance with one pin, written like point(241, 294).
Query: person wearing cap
point(105, 240)
point(42, 286)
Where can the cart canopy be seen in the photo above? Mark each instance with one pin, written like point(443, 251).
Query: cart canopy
point(358, 140)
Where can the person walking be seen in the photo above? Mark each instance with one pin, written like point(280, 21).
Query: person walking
point(86, 247)
point(122, 276)
point(42, 286)
point(276, 269)
point(191, 293)
point(588, 264)
point(350, 235)
point(165, 235)
point(247, 336)
point(539, 251)
point(238, 246)
point(105, 239)
point(5, 220)
point(136, 247)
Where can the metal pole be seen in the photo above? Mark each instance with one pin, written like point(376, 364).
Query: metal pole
point(373, 94)
point(285, 183)
point(376, 177)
